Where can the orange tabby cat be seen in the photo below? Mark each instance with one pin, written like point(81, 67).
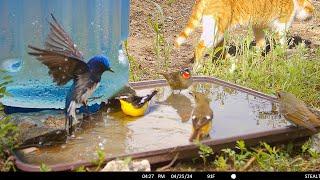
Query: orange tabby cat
point(218, 16)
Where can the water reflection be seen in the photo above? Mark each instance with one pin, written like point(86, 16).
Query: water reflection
point(165, 125)
point(182, 104)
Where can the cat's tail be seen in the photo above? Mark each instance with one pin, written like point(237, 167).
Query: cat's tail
point(193, 22)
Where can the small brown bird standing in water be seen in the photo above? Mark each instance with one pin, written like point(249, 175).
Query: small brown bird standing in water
point(297, 112)
point(179, 80)
point(201, 117)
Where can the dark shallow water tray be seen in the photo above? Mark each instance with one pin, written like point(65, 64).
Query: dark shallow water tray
point(240, 114)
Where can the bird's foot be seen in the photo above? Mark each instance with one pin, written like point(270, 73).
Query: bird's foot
point(69, 126)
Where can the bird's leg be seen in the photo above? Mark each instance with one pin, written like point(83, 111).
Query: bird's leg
point(86, 109)
point(86, 114)
point(69, 126)
point(66, 123)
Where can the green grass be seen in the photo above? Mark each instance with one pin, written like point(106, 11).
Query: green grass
point(292, 73)
point(8, 130)
point(261, 158)
point(204, 152)
point(135, 71)
point(100, 161)
point(161, 46)
point(44, 168)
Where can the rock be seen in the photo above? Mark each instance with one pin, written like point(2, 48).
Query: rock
point(26, 125)
point(41, 137)
point(143, 165)
point(315, 142)
point(116, 166)
point(120, 165)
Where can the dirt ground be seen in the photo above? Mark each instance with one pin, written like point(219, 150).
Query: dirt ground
point(141, 36)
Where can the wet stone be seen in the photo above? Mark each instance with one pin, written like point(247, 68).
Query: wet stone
point(41, 137)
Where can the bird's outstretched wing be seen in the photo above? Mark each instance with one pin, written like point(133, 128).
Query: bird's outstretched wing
point(60, 55)
point(59, 41)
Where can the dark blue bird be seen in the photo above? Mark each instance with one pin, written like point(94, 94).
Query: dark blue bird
point(65, 63)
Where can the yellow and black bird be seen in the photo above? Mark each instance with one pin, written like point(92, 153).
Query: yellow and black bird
point(202, 116)
point(296, 111)
point(179, 80)
point(134, 105)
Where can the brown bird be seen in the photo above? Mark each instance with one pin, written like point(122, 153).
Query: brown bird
point(201, 117)
point(179, 80)
point(296, 111)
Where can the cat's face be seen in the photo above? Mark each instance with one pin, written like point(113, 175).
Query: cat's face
point(305, 9)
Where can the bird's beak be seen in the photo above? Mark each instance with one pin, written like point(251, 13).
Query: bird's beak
point(110, 70)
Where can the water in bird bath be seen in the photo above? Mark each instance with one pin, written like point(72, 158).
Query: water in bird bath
point(166, 124)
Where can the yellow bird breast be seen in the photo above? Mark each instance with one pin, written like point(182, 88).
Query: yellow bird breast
point(130, 110)
point(204, 131)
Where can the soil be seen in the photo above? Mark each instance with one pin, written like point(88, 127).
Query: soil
point(141, 38)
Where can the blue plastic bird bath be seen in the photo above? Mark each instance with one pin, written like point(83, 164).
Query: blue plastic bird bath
point(96, 26)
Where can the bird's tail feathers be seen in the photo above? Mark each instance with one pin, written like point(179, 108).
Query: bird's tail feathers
point(121, 97)
point(310, 127)
point(150, 96)
point(304, 123)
